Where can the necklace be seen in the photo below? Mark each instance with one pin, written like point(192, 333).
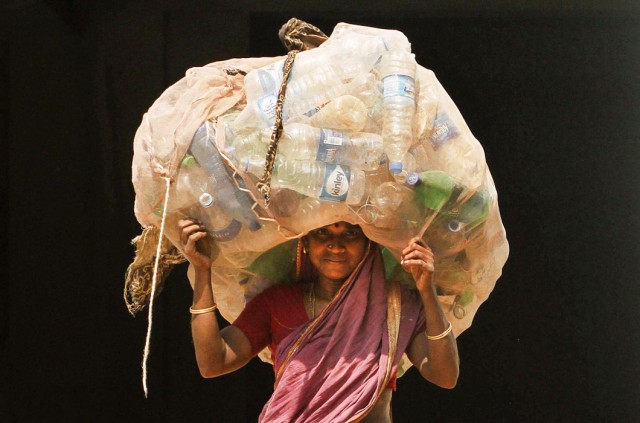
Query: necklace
point(312, 300)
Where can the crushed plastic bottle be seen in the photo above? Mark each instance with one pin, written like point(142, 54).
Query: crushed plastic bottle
point(344, 113)
point(194, 195)
point(234, 202)
point(394, 206)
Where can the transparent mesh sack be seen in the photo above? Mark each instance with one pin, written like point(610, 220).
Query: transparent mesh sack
point(369, 137)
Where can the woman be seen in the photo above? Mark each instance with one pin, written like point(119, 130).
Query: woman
point(337, 338)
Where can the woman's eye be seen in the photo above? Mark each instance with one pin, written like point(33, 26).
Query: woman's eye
point(353, 234)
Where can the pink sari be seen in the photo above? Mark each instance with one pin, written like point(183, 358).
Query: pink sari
point(334, 368)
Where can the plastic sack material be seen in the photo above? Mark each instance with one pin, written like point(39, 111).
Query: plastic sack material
point(369, 137)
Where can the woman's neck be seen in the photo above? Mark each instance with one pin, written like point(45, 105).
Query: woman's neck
point(326, 289)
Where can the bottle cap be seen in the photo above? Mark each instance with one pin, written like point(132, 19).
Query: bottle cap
point(206, 199)
point(455, 225)
point(189, 161)
point(395, 167)
point(413, 178)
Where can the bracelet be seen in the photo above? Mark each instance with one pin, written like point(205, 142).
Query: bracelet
point(203, 310)
point(442, 335)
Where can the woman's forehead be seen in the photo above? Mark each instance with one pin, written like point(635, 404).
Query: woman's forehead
point(342, 224)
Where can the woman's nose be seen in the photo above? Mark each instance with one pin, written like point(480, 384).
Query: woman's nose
point(336, 244)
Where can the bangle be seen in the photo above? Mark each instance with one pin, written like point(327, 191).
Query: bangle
point(442, 335)
point(203, 310)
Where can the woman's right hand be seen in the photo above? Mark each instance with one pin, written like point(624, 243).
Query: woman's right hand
point(195, 245)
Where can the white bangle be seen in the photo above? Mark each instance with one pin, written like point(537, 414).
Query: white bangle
point(442, 335)
point(203, 310)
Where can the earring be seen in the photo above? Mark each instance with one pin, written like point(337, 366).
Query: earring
point(304, 250)
point(330, 246)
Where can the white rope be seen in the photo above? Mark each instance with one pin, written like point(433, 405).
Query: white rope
point(153, 291)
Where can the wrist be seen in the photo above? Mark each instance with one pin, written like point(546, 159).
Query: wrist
point(427, 287)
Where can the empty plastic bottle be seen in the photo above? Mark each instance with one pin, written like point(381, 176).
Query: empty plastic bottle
point(194, 194)
point(324, 181)
point(248, 150)
point(434, 188)
point(360, 150)
point(261, 87)
point(475, 210)
point(309, 92)
point(398, 70)
point(395, 207)
point(344, 113)
point(234, 202)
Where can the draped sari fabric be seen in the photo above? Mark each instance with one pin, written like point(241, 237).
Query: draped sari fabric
point(333, 368)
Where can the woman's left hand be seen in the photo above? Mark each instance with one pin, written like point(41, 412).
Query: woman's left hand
point(417, 258)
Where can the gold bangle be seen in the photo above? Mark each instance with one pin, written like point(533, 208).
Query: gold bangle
point(442, 335)
point(203, 310)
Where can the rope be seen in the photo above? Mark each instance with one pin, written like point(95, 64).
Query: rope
point(264, 185)
point(153, 292)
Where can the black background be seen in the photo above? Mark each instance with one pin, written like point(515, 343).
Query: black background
point(552, 92)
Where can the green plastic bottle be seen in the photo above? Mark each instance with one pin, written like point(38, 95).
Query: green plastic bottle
point(434, 189)
point(475, 210)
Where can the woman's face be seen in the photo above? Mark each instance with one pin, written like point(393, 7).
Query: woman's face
point(336, 249)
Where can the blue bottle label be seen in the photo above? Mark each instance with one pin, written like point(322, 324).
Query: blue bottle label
point(330, 143)
point(443, 130)
point(398, 85)
point(336, 183)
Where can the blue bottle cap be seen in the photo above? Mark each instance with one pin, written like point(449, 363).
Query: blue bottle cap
point(395, 167)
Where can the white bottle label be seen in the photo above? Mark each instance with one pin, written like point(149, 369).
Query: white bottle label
point(330, 142)
point(398, 85)
point(267, 108)
point(336, 183)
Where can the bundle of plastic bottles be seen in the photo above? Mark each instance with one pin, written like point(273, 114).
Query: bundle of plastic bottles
point(369, 137)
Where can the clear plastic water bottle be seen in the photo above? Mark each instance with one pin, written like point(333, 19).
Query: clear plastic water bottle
point(309, 92)
point(408, 174)
point(394, 206)
point(398, 69)
point(194, 195)
point(361, 150)
point(234, 202)
point(248, 150)
point(368, 89)
point(261, 88)
point(324, 181)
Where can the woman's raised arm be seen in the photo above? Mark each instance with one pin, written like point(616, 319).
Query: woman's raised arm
point(435, 354)
point(217, 351)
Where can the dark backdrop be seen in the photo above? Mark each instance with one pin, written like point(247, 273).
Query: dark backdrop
point(551, 92)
